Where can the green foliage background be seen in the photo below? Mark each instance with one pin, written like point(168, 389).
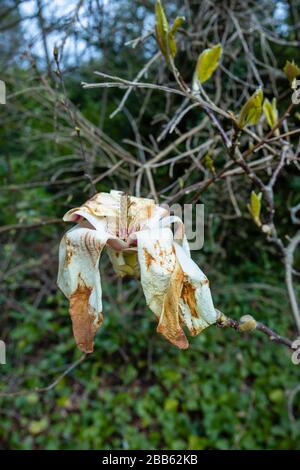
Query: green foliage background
point(228, 391)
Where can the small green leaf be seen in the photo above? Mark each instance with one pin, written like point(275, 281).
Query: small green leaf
point(291, 70)
point(32, 398)
point(36, 427)
point(171, 35)
point(177, 23)
point(197, 443)
point(276, 396)
point(255, 207)
point(161, 28)
point(207, 63)
point(271, 113)
point(55, 53)
point(171, 404)
point(164, 35)
point(209, 163)
point(172, 45)
point(251, 110)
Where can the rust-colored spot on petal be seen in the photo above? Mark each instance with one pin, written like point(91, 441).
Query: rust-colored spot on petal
point(149, 210)
point(69, 252)
point(169, 324)
point(148, 258)
point(84, 328)
point(188, 296)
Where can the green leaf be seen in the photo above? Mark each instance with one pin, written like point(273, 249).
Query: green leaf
point(32, 398)
point(171, 35)
point(251, 110)
point(161, 28)
point(276, 396)
point(291, 70)
point(270, 111)
point(36, 427)
point(255, 207)
point(207, 63)
point(209, 163)
point(177, 23)
point(164, 35)
point(171, 404)
point(197, 443)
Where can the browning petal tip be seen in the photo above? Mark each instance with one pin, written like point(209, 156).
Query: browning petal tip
point(84, 328)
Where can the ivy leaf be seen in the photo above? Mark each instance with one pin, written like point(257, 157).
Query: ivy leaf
point(251, 110)
point(207, 63)
point(255, 207)
point(165, 35)
point(291, 70)
point(36, 427)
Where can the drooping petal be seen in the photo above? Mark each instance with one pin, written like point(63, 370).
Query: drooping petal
point(79, 279)
point(196, 305)
point(162, 280)
point(102, 207)
point(143, 213)
point(170, 320)
point(179, 231)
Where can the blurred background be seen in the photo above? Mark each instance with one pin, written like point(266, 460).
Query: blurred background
point(136, 391)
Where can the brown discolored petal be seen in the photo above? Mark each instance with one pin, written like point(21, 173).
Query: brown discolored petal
point(169, 323)
point(197, 311)
point(79, 279)
point(83, 320)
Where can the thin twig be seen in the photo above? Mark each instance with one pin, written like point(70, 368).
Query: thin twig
point(48, 387)
point(41, 223)
point(227, 322)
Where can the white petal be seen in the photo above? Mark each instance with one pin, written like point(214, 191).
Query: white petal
point(179, 231)
point(101, 208)
point(79, 279)
point(157, 262)
point(196, 303)
point(161, 278)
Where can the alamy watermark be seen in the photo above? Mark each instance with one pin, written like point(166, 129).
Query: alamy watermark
point(2, 353)
point(2, 92)
point(186, 222)
point(192, 217)
point(296, 353)
point(2, 343)
point(296, 94)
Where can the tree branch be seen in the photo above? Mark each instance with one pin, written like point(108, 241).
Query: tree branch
point(48, 387)
point(248, 323)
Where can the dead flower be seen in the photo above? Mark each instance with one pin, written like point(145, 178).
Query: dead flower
point(139, 240)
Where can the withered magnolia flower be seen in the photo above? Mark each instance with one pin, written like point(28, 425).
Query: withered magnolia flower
point(140, 242)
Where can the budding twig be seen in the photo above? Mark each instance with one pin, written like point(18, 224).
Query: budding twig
point(248, 323)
